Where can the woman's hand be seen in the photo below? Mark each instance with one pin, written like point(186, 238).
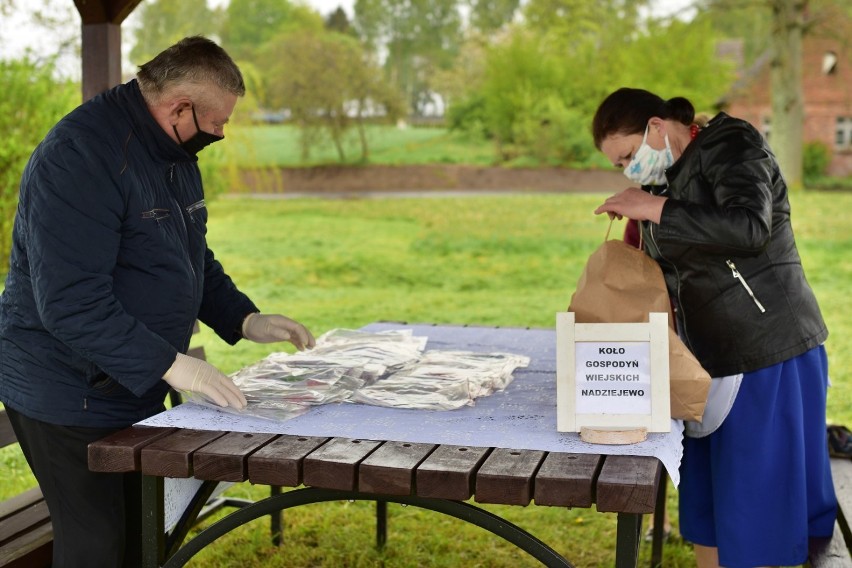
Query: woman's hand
point(635, 204)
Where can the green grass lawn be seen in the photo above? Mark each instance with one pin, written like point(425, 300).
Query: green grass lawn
point(278, 145)
point(509, 261)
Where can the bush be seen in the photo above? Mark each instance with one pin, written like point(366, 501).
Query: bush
point(469, 115)
point(542, 81)
point(33, 101)
point(815, 160)
point(552, 132)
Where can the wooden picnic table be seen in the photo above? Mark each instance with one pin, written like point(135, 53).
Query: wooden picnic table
point(436, 477)
point(449, 479)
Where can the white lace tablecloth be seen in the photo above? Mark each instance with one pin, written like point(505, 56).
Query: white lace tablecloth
point(521, 417)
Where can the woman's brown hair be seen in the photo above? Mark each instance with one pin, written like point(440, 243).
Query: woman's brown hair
point(627, 111)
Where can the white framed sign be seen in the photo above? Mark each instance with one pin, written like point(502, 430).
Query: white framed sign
point(612, 377)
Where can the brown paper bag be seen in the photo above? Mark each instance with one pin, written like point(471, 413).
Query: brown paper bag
point(622, 284)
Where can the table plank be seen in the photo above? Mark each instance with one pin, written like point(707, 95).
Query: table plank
point(506, 477)
point(171, 455)
point(449, 472)
point(280, 462)
point(567, 480)
point(121, 452)
point(225, 459)
point(390, 469)
point(628, 484)
point(334, 465)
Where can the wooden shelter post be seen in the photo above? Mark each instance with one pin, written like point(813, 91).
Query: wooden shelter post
point(101, 38)
point(101, 58)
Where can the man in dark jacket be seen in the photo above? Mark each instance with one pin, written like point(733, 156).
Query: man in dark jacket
point(109, 271)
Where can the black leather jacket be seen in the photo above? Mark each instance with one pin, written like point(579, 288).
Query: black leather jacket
point(726, 248)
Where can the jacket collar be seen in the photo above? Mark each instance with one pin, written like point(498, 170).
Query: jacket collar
point(150, 133)
point(674, 170)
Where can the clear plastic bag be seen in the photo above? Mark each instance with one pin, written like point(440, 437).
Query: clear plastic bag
point(315, 386)
point(443, 380)
point(423, 393)
point(376, 351)
point(280, 392)
point(387, 368)
point(486, 372)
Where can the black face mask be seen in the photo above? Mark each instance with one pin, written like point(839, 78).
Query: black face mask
point(199, 141)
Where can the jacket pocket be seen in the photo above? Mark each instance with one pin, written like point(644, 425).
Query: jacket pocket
point(157, 215)
point(736, 274)
point(103, 384)
point(198, 216)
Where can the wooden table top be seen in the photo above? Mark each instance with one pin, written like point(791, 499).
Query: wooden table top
point(621, 484)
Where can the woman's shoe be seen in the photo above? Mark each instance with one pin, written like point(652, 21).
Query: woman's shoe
point(839, 442)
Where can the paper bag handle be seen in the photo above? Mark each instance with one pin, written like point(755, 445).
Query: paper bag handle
point(639, 227)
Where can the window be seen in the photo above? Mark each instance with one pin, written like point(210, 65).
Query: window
point(766, 127)
point(843, 133)
point(829, 63)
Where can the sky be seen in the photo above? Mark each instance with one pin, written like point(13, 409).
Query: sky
point(325, 7)
point(19, 32)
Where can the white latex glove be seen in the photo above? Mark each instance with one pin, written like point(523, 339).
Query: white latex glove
point(269, 329)
point(193, 375)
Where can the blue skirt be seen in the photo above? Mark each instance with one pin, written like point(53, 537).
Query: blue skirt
point(759, 486)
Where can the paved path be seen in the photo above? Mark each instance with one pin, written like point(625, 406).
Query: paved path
point(400, 194)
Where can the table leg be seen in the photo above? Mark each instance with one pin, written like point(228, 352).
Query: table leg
point(458, 509)
point(153, 522)
point(628, 535)
point(659, 525)
point(275, 519)
point(381, 523)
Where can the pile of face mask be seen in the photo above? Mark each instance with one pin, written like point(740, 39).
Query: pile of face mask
point(387, 368)
point(377, 352)
point(443, 380)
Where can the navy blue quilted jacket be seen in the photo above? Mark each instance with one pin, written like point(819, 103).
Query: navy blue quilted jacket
point(109, 269)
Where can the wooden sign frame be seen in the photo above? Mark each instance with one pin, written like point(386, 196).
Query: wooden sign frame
point(606, 427)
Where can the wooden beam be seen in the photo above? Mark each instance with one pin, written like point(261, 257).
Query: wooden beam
point(101, 39)
point(101, 58)
point(105, 11)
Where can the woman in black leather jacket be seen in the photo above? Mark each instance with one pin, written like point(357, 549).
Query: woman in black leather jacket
point(756, 477)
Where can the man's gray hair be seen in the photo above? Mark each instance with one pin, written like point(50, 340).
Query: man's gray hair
point(193, 62)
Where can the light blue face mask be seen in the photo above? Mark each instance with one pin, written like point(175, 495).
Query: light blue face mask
point(648, 166)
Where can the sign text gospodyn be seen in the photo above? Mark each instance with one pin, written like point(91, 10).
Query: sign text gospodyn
point(613, 378)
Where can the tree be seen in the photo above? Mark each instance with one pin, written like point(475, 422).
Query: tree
point(163, 23)
point(461, 84)
point(790, 21)
point(53, 41)
point(745, 21)
point(338, 22)
point(488, 16)
point(33, 101)
point(543, 81)
point(328, 85)
point(785, 75)
point(780, 25)
point(249, 24)
point(577, 21)
point(696, 72)
point(419, 36)
point(594, 35)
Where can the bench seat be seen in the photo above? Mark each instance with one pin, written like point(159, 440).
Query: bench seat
point(26, 535)
point(835, 552)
